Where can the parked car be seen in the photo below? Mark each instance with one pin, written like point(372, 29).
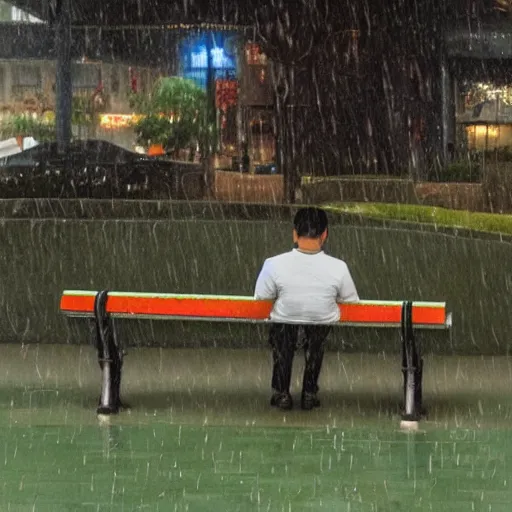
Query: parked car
point(266, 169)
point(97, 168)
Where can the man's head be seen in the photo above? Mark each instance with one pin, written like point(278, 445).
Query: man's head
point(310, 225)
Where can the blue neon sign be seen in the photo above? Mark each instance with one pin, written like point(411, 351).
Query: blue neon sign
point(199, 58)
point(194, 56)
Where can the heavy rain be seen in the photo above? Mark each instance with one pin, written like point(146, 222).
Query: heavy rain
point(179, 181)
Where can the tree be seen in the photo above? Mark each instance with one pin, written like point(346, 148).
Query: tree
point(175, 115)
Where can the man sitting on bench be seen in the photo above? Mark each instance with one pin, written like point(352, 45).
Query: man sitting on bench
point(306, 285)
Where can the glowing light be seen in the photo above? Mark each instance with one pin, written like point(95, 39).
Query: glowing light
point(199, 58)
point(118, 121)
point(483, 131)
point(219, 59)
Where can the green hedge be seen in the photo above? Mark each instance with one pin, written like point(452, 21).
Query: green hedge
point(432, 215)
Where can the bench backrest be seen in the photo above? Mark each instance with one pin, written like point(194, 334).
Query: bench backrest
point(366, 313)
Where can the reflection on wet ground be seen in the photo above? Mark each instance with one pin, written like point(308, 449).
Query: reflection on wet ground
point(201, 436)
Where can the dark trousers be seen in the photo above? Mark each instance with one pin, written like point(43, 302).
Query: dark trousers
point(284, 339)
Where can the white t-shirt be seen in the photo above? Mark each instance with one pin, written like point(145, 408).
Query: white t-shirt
point(306, 287)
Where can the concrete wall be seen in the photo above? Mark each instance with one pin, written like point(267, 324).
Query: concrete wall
point(359, 189)
point(237, 187)
point(40, 257)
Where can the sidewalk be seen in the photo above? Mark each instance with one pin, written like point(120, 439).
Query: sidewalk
point(55, 384)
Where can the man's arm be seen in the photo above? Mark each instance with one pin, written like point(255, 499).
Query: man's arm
point(265, 288)
point(347, 290)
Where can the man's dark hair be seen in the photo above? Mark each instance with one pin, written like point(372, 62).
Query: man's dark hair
point(310, 222)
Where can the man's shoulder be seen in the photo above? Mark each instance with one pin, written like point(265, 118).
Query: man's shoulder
point(332, 261)
point(335, 266)
point(279, 258)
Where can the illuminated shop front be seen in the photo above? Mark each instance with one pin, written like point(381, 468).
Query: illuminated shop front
point(210, 59)
point(486, 116)
point(235, 75)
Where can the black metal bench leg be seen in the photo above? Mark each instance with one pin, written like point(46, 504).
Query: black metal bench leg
point(110, 357)
point(419, 388)
point(412, 368)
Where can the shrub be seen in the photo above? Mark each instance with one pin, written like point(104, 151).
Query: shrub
point(462, 172)
point(26, 125)
point(486, 222)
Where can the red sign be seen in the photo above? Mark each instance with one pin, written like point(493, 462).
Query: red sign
point(226, 94)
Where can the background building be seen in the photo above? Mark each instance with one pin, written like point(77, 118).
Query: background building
point(356, 88)
point(110, 64)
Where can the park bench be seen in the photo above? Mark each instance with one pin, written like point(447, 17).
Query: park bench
point(104, 307)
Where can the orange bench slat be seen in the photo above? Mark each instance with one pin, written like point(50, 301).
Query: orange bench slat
point(243, 308)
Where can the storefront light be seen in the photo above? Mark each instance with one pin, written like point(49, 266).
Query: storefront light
point(118, 121)
point(484, 131)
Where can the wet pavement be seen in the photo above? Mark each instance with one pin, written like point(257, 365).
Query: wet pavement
point(201, 436)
